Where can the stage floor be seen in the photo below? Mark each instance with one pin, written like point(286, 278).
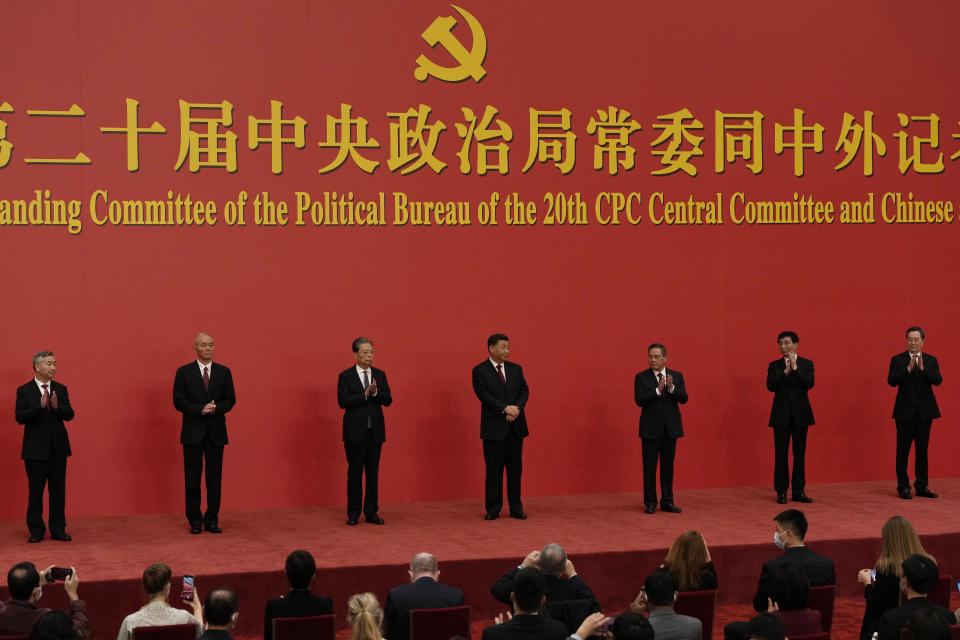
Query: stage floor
point(612, 542)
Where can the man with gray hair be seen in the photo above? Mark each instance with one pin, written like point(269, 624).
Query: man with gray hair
point(423, 592)
point(560, 580)
point(42, 407)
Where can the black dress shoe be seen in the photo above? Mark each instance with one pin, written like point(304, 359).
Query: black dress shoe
point(520, 515)
point(352, 522)
point(491, 516)
point(781, 497)
point(926, 493)
point(905, 494)
point(62, 536)
point(669, 507)
point(801, 497)
point(650, 508)
point(212, 528)
point(196, 529)
point(376, 520)
point(35, 538)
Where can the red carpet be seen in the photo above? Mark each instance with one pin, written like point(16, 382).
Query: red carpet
point(613, 544)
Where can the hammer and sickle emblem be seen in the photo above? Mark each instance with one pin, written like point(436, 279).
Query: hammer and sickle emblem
point(471, 62)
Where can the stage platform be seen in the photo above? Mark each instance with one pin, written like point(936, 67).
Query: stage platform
point(611, 541)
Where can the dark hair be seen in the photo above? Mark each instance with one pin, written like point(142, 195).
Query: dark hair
point(766, 626)
point(907, 334)
point(360, 341)
point(657, 345)
point(791, 588)
point(40, 356)
point(553, 560)
point(631, 626)
point(22, 580)
point(925, 624)
point(495, 338)
point(921, 573)
point(794, 520)
point(53, 625)
point(220, 605)
point(661, 588)
point(788, 334)
point(300, 569)
point(156, 577)
point(528, 589)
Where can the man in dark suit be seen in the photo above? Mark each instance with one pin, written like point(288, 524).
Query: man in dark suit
point(203, 393)
point(300, 602)
point(920, 574)
point(42, 407)
point(362, 392)
point(660, 392)
point(560, 580)
point(914, 373)
point(503, 393)
point(789, 378)
point(526, 624)
point(221, 608)
point(791, 528)
point(423, 592)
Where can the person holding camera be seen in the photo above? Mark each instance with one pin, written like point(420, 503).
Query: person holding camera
point(20, 611)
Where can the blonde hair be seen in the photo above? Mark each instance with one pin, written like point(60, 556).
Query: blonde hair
point(685, 560)
point(365, 616)
point(899, 541)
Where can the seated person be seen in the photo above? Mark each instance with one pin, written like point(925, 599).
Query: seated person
point(919, 577)
point(656, 600)
point(20, 611)
point(789, 599)
point(299, 602)
point(158, 612)
point(688, 561)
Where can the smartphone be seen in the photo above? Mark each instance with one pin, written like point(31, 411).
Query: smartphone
point(187, 592)
point(873, 574)
point(59, 574)
point(958, 585)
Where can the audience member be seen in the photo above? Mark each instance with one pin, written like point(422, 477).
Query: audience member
point(789, 599)
point(365, 617)
point(919, 576)
point(656, 600)
point(423, 592)
point(560, 579)
point(925, 624)
point(688, 561)
point(299, 602)
point(53, 625)
point(590, 626)
point(631, 626)
point(158, 612)
point(221, 609)
point(898, 541)
point(20, 611)
point(766, 626)
point(527, 596)
point(790, 531)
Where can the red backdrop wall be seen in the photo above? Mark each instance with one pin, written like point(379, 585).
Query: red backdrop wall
point(120, 304)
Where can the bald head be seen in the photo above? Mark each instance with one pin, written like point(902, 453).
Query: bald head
point(423, 565)
point(553, 560)
point(203, 345)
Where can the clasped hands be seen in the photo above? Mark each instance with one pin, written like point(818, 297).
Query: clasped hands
point(512, 411)
point(210, 407)
point(370, 390)
point(53, 400)
point(666, 383)
point(916, 362)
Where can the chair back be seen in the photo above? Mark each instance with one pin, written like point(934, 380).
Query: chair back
point(940, 594)
point(812, 636)
point(700, 605)
point(306, 628)
point(166, 632)
point(440, 624)
point(821, 599)
point(571, 612)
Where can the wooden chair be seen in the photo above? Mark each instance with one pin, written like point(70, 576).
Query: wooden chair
point(166, 632)
point(306, 628)
point(700, 605)
point(440, 624)
point(821, 599)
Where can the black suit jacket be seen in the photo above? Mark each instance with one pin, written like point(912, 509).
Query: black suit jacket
point(661, 414)
point(819, 570)
point(495, 396)
point(914, 388)
point(357, 409)
point(527, 627)
point(790, 393)
point(555, 588)
point(44, 434)
point(425, 593)
point(298, 603)
point(189, 398)
point(888, 625)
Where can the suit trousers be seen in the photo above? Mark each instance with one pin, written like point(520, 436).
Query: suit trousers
point(914, 430)
point(781, 469)
point(664, 449)
point(363, 458)
point(39, 473)
point(193, 459)
point(499, 455)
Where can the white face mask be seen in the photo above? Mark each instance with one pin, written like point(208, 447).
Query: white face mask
point(777, 541)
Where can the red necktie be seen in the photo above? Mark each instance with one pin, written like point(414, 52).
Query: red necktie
point(46, 397)
point(503, 379)
point(206, 380)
